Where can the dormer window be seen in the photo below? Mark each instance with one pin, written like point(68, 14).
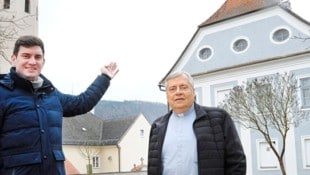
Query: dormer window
point(280, 35)
point(240, 45)
point(205, 53)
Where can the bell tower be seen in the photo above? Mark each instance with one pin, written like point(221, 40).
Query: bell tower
point(17, 17)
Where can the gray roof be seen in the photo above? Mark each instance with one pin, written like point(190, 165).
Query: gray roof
point(91, 130)
point(107, 109)
point(114, 129)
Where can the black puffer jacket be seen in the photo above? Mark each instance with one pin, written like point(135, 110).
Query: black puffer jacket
point(219, 148)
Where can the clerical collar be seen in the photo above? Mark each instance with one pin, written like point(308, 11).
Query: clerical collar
point(191, 109)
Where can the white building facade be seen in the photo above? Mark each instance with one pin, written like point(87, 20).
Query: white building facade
point(245, 40)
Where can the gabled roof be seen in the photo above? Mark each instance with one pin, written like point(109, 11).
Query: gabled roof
point(233, 8)
point(114, 129)
point(88, 128)
point(108, 109)
point(77, 129)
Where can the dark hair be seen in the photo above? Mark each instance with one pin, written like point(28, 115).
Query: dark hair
point(28, 41)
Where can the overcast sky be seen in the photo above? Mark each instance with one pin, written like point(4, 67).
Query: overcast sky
point(145, 37)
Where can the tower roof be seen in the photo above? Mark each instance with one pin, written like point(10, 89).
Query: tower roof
point(232, 8)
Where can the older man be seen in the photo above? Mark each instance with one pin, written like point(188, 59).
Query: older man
point(193, 139)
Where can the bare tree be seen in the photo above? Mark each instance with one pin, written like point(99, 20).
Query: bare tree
point(10, 25)
point(267, 105)
point(76, 133)
point(88, 147)
point(87, 151)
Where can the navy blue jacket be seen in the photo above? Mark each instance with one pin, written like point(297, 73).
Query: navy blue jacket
point(31, 123)
point(219, 148)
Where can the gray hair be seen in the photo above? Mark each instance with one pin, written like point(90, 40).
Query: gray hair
point(180, 73)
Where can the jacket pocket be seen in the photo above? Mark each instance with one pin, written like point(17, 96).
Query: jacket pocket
point(58, 155)
point(21, 159)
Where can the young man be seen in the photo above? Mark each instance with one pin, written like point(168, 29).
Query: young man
point(31, 111)
point(193, 139)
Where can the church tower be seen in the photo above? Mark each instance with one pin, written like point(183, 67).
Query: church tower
point(17, 17)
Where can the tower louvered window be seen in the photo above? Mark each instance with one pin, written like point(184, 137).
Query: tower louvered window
point(6, 4)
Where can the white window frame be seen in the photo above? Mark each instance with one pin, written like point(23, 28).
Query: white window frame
point(219, 89)
point(279, 28)
point(205, 47)
point(96, 161)
point(198, 99)
point(305, 151)
point(260, 158)
point(237, 39)
point(300, 92)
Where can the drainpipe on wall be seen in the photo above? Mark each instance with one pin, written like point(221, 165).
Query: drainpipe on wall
point(119, 158)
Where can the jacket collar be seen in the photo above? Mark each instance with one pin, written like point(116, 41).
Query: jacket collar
point(12, 80)
point(200, 112)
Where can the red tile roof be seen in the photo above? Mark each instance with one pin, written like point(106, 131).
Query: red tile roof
point(70, 169)
point(232, 8)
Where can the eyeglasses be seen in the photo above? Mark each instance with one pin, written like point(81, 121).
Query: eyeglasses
point(173, 89)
